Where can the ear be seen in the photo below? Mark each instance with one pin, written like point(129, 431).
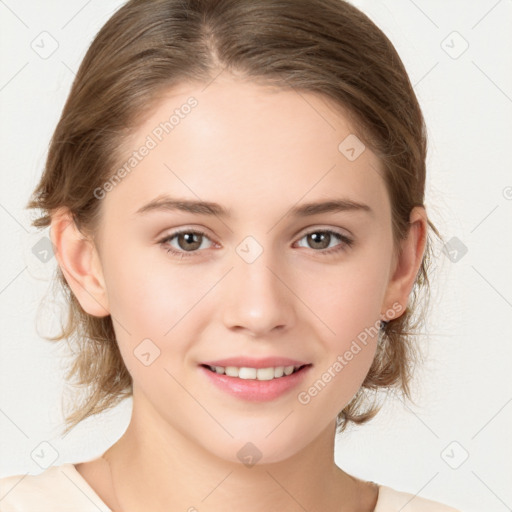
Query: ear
point(407, 263)
point(80, 263)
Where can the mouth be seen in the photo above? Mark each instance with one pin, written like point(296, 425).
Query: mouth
point(255, 384)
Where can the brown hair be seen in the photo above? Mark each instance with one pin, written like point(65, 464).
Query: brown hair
point(323, 46)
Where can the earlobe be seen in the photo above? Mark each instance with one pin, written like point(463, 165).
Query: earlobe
point(80, 264)
point(408, 262)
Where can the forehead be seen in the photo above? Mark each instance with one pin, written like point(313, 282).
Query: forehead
point(243, 144)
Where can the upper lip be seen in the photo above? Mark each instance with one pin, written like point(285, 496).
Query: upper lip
point(249, 362)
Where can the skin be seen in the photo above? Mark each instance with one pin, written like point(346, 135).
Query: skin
point(259, 152)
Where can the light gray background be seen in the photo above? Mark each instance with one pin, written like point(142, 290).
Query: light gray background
point(463, 390)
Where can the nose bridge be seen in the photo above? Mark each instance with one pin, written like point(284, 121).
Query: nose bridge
point(258, 300)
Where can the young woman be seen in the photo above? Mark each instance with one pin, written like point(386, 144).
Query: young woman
point(235, 192)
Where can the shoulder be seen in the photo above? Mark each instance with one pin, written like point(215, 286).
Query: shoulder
point(391, 500)
point(57, 488)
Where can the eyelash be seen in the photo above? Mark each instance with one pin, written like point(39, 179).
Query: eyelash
point(346, 242)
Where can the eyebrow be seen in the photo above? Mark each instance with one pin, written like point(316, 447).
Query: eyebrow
point(166, 203)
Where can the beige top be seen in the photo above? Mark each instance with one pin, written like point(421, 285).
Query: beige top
point(63, 489)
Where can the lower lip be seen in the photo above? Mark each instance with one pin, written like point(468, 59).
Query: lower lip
point(256, 390)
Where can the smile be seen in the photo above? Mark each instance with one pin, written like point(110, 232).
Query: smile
point(255, 384)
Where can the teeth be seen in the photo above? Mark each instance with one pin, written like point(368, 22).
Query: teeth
point(255, 373)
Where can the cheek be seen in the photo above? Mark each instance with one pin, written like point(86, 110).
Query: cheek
point(149, 295)
point(348, 302)
point(347, 299)
point(154, 299)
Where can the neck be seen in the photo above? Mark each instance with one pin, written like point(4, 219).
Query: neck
point(154, 467)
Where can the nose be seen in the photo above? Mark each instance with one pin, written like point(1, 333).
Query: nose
point(259, 297)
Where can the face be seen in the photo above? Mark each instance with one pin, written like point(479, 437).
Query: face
point(262, 281)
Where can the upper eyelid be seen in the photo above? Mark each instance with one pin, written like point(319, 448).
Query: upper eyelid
point(339, 231)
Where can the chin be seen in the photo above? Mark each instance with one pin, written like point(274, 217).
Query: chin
point(269, 444)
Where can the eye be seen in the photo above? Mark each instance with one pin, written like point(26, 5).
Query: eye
point(322, 238)
point(188, 240)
